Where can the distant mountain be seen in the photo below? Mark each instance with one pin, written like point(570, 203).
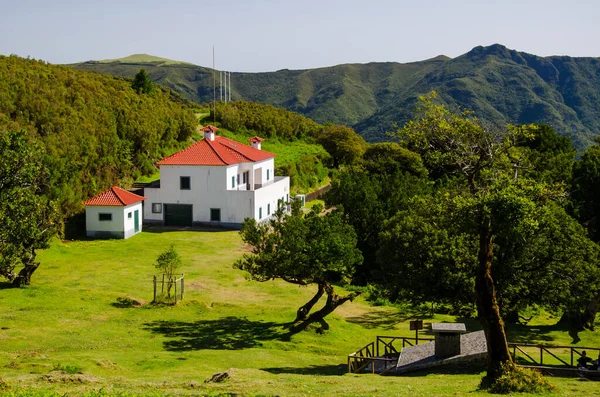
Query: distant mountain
point(499, 84)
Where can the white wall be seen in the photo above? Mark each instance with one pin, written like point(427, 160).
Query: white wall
point(129, 223)
point(96, 228)
point(120, 225)
point(270, 194)
point(210, 187)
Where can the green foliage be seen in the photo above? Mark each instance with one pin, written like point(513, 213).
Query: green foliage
point(299, 249)
point(97, 132)
point(389, 158)
point(586, 190)
point(551, 157)
point(490, 215)
point(344, 145)
point(244, 117)
point(142, 83)
point(28, 218)
point(369, 199)
point(514, 379)
point(168, 262)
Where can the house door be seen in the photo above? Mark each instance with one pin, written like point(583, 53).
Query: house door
point(136, 221)
point(178, 215)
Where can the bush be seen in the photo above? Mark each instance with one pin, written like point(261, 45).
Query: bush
point(514, 379)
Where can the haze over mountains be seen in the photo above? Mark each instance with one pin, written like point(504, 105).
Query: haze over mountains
point(500, 85)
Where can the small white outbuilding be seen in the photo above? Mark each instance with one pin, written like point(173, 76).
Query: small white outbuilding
point(114, 213)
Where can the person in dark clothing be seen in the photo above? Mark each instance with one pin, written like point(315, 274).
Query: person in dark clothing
point(583, 360)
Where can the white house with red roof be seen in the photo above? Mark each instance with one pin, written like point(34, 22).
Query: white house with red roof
point(216, 181)
point(114, 213)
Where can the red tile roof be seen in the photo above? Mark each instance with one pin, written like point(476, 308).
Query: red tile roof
point(115, 196)
point(210, 128)
point(221, 151)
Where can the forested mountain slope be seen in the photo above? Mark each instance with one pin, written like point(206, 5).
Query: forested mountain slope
point(95, 129)
point(501, 85)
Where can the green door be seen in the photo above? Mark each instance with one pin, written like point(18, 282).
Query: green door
point(178, 215)
point(136, 221)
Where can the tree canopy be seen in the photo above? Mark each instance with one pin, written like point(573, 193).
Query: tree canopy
point(495, 224)
point(28, 219)
point(302, 249)
point(96, 131)
point(142, 84)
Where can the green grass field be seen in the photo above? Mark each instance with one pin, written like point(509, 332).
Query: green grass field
point(75, 331)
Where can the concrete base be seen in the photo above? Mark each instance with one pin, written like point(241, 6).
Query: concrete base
point(413, 358)
point(102, 234)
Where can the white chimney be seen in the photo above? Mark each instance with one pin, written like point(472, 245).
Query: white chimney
point(255, 141)
point(209, 132)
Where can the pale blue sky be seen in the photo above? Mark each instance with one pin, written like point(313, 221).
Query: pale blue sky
point(267, 35)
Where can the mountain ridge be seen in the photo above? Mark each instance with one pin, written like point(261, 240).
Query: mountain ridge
point(501, 85)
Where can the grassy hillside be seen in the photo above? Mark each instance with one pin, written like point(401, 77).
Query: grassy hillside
point(95, 129)
point(79, 328)
point(501, 85)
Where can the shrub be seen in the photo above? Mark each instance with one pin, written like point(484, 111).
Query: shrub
point(514, 379)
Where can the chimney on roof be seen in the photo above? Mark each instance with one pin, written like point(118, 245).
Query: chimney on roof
point(209, 132)
point(255, 141)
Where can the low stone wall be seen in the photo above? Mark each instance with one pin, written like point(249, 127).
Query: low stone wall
point(317, 194)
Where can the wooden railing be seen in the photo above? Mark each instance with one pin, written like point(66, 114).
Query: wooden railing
point(549, 355)
point(380, 355)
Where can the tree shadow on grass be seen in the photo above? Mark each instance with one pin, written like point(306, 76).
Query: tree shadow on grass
point(6, 285)
point(475, 367)
point(328, 370)
point(228, 333)
point(388, 320)
point(520, 333)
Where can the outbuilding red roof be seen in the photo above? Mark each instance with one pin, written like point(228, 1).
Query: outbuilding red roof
point(115, 196)
point(221, 151)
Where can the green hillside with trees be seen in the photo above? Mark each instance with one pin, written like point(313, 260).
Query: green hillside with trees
point(95, 130)
point(500, 85)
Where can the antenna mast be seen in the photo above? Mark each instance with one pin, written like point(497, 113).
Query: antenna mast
point(214, 90)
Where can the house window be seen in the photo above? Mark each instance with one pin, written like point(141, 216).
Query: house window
point(184, 182)
point(215, 215)
point(268, 175)
point(157, 208)
point(245, 177)
point(260, 213)
point(129, 215)
point(233, 182)
point(268, 209)
point(103, 217)
point(238, 179)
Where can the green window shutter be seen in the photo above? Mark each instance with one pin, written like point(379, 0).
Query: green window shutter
point(233, 182)
point(260, 213)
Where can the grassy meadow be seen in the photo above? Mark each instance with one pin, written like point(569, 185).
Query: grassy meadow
point(85, 327)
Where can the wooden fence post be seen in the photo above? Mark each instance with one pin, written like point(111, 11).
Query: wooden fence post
point(182, 286)
point(154, 288)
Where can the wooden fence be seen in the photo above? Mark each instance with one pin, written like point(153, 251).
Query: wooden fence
point(168, 284)
point(380, 355)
